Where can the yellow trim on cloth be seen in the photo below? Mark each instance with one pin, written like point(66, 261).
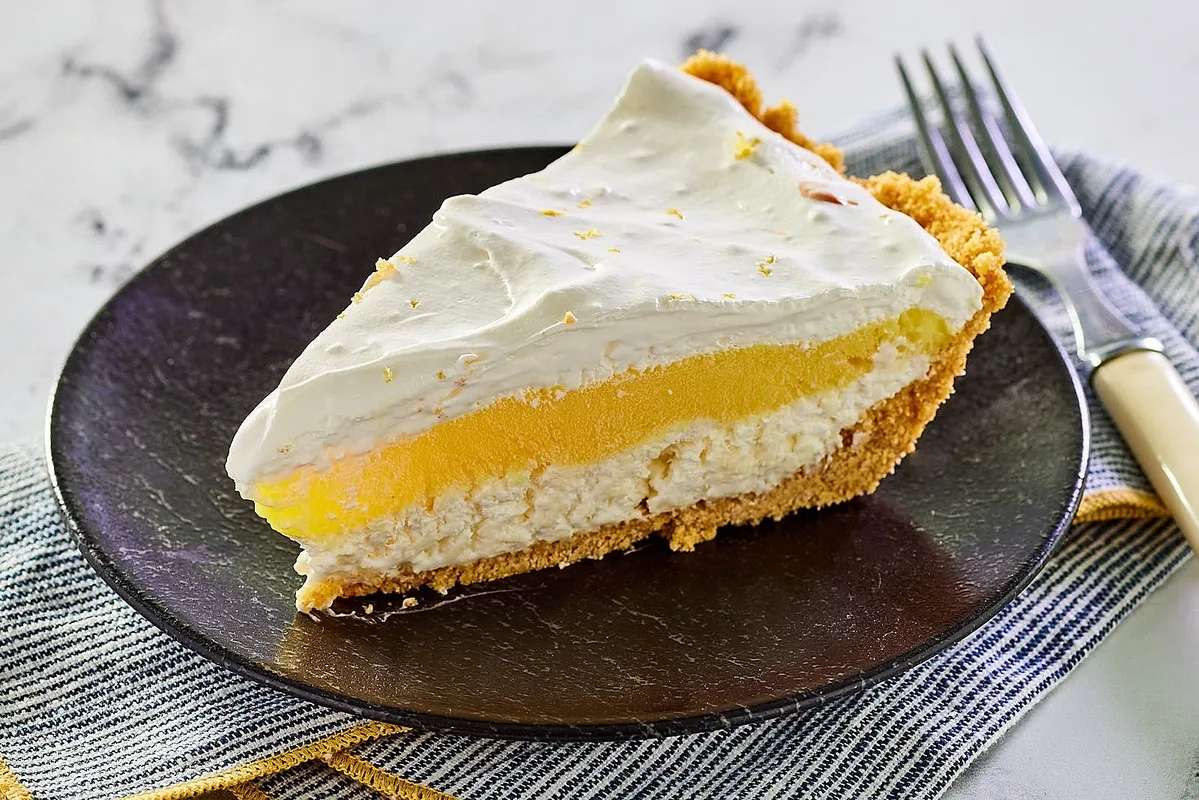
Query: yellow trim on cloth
point(249, 791)
point(272, 765)
point(1119, 504)
point(380, 780)
point(332, 750)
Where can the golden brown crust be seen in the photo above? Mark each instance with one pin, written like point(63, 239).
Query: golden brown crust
point(961, 232)
point(738, 81)
point(870, 451)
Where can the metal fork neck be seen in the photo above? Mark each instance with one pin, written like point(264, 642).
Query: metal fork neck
point(1099, 356)
point(1051, 244)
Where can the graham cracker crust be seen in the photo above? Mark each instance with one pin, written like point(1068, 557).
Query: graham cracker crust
point(870, 449)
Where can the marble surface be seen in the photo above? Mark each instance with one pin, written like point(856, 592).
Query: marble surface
point(125, 125)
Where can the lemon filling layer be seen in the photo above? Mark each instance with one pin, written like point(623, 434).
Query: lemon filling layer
point(551, 427)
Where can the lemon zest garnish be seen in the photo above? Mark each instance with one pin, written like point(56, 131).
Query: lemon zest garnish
point(729, 296)
point(569, 319)
point(405, 259)
point(745, 147)
point(551, 212)
point(584, 204)
point(590, 233)
point(388, 375)
point(763, 268)
point(613, 249)
point(414, 303)
point(383, 269)
point(674, 212)
point(440, 375)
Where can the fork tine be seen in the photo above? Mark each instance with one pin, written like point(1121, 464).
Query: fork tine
point(1034, 146)
point(983, 188)
point(935, 151)
point(1015, 186)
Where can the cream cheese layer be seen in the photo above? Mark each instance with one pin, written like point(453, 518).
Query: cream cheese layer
point(679, 226)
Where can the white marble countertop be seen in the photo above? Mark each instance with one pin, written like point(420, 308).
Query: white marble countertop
point(126, 125)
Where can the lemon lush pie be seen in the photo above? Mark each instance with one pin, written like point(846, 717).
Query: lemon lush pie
point(690, 320)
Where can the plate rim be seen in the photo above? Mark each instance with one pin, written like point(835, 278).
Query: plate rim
point(161, 617)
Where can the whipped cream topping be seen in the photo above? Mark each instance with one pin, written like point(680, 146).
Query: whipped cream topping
point(679, 225)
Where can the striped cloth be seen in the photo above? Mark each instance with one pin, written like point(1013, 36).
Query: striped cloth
point(96, 703)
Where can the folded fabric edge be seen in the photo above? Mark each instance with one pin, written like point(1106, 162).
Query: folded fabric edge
point(361, 772)
point(248, 791)
point(263, 767)
point(382, 781)
point(1112, 504)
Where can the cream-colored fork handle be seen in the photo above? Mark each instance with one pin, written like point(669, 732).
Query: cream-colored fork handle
point(1159, 419)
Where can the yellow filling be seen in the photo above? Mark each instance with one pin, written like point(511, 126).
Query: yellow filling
point(549, 426)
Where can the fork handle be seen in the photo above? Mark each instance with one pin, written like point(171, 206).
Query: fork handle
point(1159, 418)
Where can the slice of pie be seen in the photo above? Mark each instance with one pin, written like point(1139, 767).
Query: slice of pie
point(690, 320)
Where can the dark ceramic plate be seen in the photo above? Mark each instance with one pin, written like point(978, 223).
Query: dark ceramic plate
point(758, 622)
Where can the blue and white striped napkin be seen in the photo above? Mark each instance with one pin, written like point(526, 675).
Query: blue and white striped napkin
point(96, 703)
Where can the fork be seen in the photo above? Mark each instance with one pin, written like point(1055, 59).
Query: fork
point(1026, 197)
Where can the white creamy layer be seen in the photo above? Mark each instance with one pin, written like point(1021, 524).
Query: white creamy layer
point(702, 461)
point(679, 225)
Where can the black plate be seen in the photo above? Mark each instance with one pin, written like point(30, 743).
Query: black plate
point(757, 622)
